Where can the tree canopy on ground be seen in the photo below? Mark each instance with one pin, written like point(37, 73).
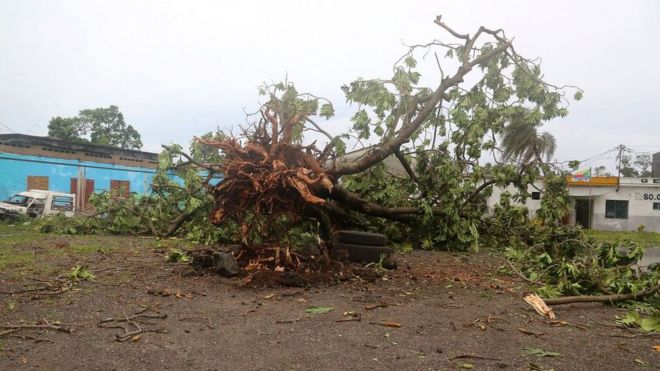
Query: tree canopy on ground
point(441, 131)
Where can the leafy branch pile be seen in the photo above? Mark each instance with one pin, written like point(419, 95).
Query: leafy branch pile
point(561, 260)
point(177, 205)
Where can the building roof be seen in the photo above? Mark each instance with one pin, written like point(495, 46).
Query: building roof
point(58, 148)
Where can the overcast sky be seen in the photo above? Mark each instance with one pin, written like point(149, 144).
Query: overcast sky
point(180, 68)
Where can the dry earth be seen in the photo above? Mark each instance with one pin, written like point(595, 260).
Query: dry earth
point(454, 311)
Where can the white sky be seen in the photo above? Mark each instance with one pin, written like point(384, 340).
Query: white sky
point(181, 68)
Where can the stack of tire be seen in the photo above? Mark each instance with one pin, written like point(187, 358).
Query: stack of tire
point(362, 247)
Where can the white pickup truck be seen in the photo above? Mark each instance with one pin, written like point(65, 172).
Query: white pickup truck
point(38, 203)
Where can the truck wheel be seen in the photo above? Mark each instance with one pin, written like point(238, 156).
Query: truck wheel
point(361, 238)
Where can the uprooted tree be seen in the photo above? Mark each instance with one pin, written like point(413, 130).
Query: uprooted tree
point(468, 128)
point(273, 179)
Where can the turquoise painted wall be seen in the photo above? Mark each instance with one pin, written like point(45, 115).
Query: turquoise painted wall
point(15, 168)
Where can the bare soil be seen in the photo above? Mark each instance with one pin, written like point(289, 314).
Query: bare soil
point(454, 311)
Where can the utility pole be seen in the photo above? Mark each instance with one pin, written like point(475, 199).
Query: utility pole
point(618, 168)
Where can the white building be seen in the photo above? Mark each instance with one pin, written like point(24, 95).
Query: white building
point(604, 203)
point(613, 204)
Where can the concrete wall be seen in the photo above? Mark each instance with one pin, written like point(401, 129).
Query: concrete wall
point(640, 210)
point(15, 168)
point(532, 205)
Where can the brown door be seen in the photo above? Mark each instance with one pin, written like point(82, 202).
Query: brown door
point(82, 201)
point(37, 182)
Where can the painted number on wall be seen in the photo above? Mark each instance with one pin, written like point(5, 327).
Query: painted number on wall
point(650, 197)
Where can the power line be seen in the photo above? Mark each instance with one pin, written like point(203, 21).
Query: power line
point(6, 126)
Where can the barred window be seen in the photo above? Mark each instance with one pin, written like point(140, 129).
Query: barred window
point(616, 209)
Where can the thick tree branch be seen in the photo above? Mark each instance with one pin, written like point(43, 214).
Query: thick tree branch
point(388, 146)
point(603, 298)
point(406, 166)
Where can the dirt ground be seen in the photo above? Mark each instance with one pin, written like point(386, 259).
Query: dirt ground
point(455, 311)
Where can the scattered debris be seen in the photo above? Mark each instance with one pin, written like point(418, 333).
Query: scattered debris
point(177, 256)
point(281, 321)
point(539, 305)
point(391, 324)
point(473, 356)
point(132, 321)
point(540, 352)
point(81, 273)
point(170, 292)
point(532, 333)
point(43, 324)
point(351, 316)
point(313, 309)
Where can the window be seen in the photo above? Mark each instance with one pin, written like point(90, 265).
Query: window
point(656, 206)
point(62, 203)
point(37, 182)
point(120, 188)
point(536, 195)
point(616, 209)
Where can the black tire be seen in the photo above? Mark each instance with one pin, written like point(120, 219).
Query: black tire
point(364, 253)
point(361, 238)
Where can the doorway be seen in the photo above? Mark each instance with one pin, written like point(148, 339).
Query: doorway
point(583, 212)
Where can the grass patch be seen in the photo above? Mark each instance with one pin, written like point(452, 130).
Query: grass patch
point(90, 248)
point(644, 238)
point(11, 258)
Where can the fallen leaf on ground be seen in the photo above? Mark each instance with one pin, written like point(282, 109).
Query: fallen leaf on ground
point(656, 348)
point(269, 296)
point(466, 365)
point(313, 309)
point(540, 352)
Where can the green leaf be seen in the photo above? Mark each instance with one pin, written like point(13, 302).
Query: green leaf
point(540, 352)
point(327, 111)
point(177, 256)
point(410, 61)
point(651, 324)
point(313, 309)
point(630, 319)
point(81, 272)
point(578, 95)
point(466, 365)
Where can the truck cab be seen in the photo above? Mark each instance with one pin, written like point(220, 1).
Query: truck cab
point(38, 203)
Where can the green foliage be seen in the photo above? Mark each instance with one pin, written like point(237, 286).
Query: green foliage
point(509, 100)
point(569, 263)
point(634, 319)
point(104, 126)
point(313, 309)
point(81, 273)
point(177, 256)
point(178, 205)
